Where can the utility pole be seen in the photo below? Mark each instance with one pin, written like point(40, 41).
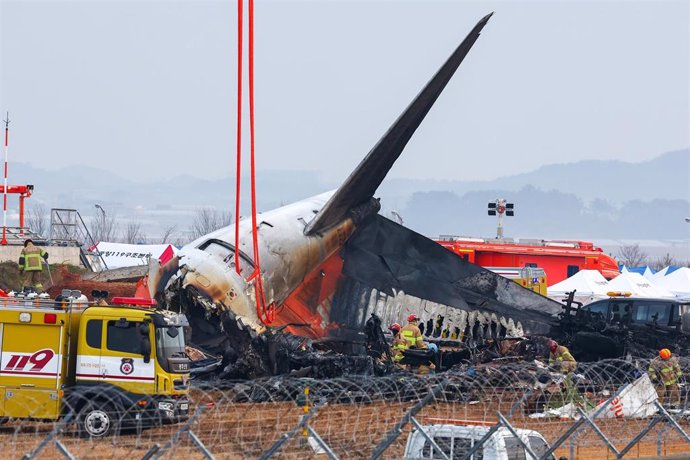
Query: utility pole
point(4, 193)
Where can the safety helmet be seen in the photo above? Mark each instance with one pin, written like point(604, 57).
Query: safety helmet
point(395, 327)
point(665, 353)
point(552, 344)
point(412, 317)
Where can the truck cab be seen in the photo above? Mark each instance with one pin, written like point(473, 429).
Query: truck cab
point(457, 438)
point(108, 366)
point(612, 327)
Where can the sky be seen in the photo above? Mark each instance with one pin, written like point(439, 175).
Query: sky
point(148, 89)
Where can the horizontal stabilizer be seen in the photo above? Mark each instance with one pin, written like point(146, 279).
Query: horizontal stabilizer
point(361, 185)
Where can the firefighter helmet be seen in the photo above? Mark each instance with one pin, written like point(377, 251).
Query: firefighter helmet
point(395, 327)
point(552, 344)
point(665, 353)
point(412, 317)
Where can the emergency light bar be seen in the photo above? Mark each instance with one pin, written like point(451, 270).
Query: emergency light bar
point(138, 301)
point(619, 294)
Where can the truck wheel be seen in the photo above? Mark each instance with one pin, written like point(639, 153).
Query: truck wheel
point(97, 420)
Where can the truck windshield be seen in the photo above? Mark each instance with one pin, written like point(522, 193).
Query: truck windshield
point(169, 347)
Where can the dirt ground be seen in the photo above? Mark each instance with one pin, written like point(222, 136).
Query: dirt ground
point(62, 277)
point(245, 430)
point(65, 277)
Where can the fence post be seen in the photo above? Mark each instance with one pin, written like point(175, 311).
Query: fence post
point(322, 443)
point(429, 438)
point(670, 418)
point(639, 436)
point(156, 451)
point(397, 429)
point(286, 436)
point(512, 430)
point(49, 437)
point(598, 431)
point(575, 426)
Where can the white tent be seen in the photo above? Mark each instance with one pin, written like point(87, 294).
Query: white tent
point(638, 285)
point(649, 274)
point(118, 255)
point(660, 274)
point(589, 285)
point(678, 282)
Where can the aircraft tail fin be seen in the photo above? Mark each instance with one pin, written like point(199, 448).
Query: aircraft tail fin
point(362, 183)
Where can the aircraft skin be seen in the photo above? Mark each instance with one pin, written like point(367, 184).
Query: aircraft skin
point(287, 256)
point(298, 242)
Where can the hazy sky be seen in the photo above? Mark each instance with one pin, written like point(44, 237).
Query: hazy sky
point(148, 88)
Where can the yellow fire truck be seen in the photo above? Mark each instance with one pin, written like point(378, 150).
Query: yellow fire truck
point(109, 367)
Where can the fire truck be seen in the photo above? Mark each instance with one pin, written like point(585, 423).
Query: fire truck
point(559, 259)
point(107, 367)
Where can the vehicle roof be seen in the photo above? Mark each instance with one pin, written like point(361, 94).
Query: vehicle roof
point(474, 431)
point(655, 299)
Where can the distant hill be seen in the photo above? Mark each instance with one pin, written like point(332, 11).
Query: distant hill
point(664, 177)
point(541, 214)
point(588, 198)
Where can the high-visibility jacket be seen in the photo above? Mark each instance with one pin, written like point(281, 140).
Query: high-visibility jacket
point(667, 370)
point(563, 359)
point(399, 345)
point(413, 336)
point(32, 258)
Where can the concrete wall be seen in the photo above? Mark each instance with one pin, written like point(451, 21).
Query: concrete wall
point(56, 254)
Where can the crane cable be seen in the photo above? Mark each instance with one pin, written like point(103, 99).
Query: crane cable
point(265, 313)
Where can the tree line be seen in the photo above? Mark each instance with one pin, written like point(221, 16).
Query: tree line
point(634, 256)
point(104, 227)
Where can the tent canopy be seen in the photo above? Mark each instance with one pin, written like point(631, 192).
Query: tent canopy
point(638, 285)
point(586, 283)
point(678, 282)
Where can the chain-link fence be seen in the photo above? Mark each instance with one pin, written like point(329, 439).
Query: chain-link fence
point(604, 410)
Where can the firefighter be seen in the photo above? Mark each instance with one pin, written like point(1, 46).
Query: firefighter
point(665, 368)
point(562, 360)
point(31, 262)
point(560, 357)
point(412, 334)
point(399, 344)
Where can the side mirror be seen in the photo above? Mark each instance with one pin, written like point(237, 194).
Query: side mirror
point(144, 331)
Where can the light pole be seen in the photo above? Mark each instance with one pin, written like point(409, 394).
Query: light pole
point(501, 208)
point(99, 207)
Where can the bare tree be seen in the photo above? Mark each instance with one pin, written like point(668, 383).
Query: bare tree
point(37, 220)
point(664, 261)
point(208, 220)
point(133, 234)
point(168, 234)
point(632, 256)
point(102, 227)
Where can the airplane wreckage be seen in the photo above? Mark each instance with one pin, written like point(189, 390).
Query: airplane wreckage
point(333, 270)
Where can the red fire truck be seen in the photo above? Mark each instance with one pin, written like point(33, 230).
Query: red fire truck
point(559, 259)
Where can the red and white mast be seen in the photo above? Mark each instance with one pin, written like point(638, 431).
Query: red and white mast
point(4, 194)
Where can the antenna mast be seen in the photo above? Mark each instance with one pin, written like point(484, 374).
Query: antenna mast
point(4, 193)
